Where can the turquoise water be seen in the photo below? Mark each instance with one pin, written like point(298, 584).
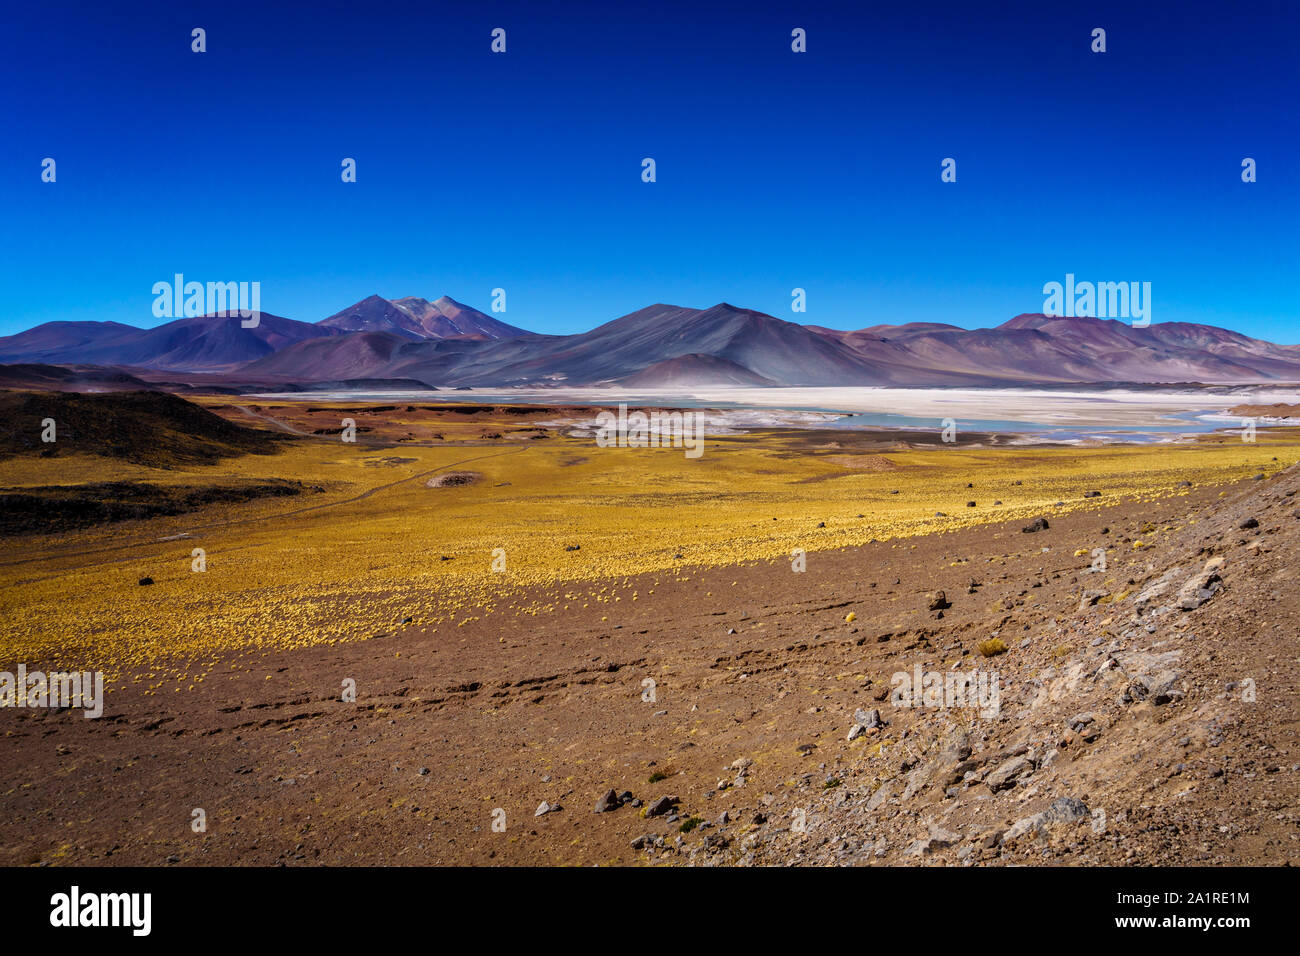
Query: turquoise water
point(1186, 423)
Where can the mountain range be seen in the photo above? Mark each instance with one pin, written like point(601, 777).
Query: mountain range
point(445, 343)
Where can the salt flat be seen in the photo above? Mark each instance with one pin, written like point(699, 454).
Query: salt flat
point(1122, 408)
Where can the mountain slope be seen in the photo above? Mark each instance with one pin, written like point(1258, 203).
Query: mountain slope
point(694, 369)
point(348, 355)
point(53, 338)
point(779, 351)
point(416, 318)
point(201, 343)
point(1040, 348)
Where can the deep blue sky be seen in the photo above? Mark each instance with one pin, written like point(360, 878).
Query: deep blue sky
point(775, 169)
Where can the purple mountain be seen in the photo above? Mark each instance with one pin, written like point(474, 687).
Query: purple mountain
point(670, 346)
point(416, 318)
point(220, 344)
point(201, 343)
point(444, 343)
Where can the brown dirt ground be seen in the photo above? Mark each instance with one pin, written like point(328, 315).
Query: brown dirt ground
point(549, 708)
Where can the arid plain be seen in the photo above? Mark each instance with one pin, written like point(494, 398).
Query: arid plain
point(499, 593)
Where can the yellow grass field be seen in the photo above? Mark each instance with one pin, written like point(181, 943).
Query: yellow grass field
point(360, 556)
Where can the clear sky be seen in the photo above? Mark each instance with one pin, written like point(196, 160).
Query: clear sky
point(775, 170)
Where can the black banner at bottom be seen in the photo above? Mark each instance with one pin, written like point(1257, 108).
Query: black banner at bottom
point(305, 905)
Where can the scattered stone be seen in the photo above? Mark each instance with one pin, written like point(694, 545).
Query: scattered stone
point(868, 718)
point(1090, 598)
point(145, 581)
point(1162, 687)
point(1007, 775)
point(1248, 524)
point(1201, 586)
point(1079, 721)
point(662, 806)
point(1038, 524)
point(939, 839)
point(609, 802)
point(941, 769)
point(1155, 590)
point(1064, 810)
point(938, 601)
point(880, 796)
point(715, 842)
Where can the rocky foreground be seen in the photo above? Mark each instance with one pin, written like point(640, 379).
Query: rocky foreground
point(1145, 713)
point(1155, 723)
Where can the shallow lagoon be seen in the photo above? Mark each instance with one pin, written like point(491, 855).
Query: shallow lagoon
point(1033, 415)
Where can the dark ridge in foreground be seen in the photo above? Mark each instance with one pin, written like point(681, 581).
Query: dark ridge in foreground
point(59, 508)
point(145, 428)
